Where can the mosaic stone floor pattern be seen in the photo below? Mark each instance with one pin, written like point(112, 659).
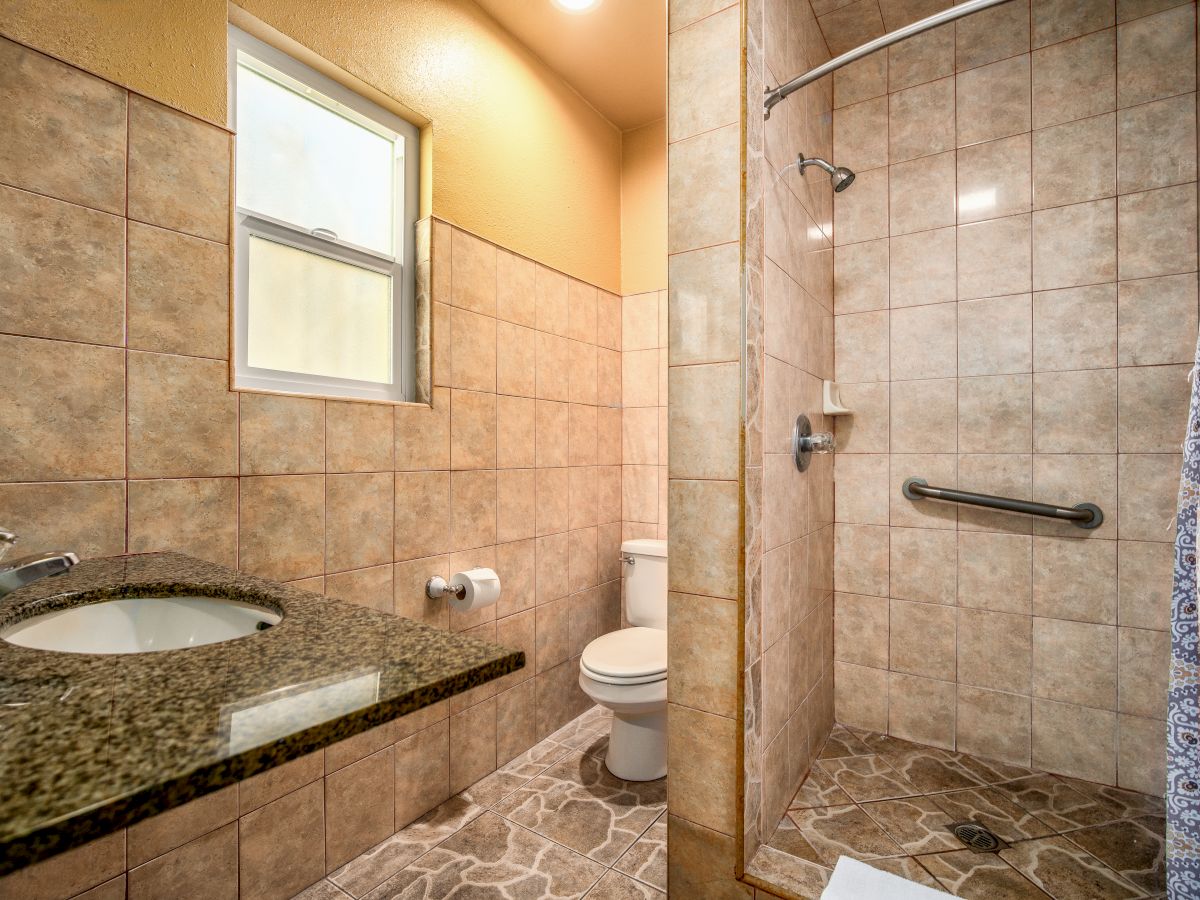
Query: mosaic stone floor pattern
point(888, 803)
point(553, 823)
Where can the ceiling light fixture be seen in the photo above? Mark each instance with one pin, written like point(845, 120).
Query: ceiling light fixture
point(576, 6)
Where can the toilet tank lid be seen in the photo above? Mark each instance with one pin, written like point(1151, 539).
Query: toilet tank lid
point(645, 547)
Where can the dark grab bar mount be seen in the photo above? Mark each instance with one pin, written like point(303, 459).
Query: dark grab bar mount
point(1084, 515)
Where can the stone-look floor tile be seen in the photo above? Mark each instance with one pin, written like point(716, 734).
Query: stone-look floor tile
point(322, 890)
point(834, 831)
point(980, 876)
point(819, 789)
point(842, 743)
point(615, 886)
point(867, 778)
point(1066, 872)
point(1056, 803)
point(646, 860)
point(205, 869)
point(369, 870)
point(917, 824)
point(991, 771)
point(905, 867)
point(1117, 803)
point(493, 857)
point(796, 841)
point(931, 770)
point(1131, 848)
point(495, 787)
point(577, 803)
point(994, 809)
point(803, 879)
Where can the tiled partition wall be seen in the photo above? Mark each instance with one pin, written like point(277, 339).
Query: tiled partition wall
point(789, 324)
point(121, 435)
point(704, 458)
point(1016, 314)
point(644, 415)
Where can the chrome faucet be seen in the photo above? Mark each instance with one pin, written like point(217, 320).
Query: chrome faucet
point(27, 569)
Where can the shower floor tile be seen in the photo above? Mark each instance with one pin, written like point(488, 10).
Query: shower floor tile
point(889, 802)
point(551, 823)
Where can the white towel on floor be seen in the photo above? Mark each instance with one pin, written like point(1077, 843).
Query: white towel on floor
point(853, 880)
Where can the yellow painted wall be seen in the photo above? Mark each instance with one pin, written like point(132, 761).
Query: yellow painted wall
point(517, 156)
point(644, 208)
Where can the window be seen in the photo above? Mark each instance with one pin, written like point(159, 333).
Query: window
point(326, 193)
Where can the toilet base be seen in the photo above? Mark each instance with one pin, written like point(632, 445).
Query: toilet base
point(637, 746)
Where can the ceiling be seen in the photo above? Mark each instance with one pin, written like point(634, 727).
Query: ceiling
point(614, 55)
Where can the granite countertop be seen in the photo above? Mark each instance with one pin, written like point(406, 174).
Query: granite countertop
point(90, 744)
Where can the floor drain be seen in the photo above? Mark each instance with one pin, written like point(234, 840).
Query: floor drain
point(977, 837)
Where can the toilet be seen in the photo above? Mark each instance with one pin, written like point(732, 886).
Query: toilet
point(626, 670)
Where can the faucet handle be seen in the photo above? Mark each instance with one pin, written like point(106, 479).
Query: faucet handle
point(7, 539)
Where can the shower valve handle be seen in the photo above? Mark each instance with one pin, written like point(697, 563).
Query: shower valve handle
point(805, 443)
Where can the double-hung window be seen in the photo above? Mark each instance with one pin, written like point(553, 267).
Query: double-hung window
point(326, 199)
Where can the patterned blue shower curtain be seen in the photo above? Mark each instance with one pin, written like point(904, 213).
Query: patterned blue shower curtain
point(1183, 726)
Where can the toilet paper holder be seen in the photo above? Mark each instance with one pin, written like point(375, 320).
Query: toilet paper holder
point(437, 587)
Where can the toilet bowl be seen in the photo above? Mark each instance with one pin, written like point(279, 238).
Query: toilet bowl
point(626, 670)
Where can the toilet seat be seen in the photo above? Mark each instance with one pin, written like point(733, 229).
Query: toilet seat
point(628, 656)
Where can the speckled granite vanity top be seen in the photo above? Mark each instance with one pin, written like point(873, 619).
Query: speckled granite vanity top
point(89, 744)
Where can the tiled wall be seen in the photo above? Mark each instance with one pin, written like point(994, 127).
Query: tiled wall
point(121, 435)
point(704, 458)
point(1016, 314)
point(644, 415)
point(789, 638)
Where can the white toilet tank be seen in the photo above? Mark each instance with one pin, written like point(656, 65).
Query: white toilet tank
point(646, 583)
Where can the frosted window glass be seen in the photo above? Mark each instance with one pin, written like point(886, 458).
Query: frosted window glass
point(304, 164)
point(317, 316)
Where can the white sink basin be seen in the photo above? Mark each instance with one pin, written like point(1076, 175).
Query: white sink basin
point(141, 625)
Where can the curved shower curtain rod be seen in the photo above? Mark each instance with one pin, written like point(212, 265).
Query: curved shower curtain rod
point(775, 95)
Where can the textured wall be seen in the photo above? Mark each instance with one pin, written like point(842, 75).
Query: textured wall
point(1016, 312)
point(517, 155)
point(644, 209)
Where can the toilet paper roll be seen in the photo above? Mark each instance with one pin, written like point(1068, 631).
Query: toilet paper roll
point(481, 587)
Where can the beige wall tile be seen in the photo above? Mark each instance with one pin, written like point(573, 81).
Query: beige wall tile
point(178, 293)
point(473, 273)
point(1155, 320)
point(154, 836)
point(204, 867)
point(994, 571)
point(923, 563)
point(1074, 245)
point(1074, 579)
point(178, 171)
point(1074, 740)
point(861, 630)
point(705, 763)
point(196, 516)
point(1074, 162)
point(993, 101)
point(422, 436)
point(515, 360)
point(1144, 573)
point(995, 258)
point(1152, 408)
point(1149, 487)
point(861, 214)
point(281, 530)
point(924, 342)
point(923, 639)
point(292, 828)
point(995, 725)
point(924, 415)
point(1075, 662)
point(83, 516)
point(921, 58)
point(515, 289)
point(473, 351)
point(704, 421)
point(422, 524)
point(1156, 57)
point(861, 696)
point(704, 167)
point(920, 121)
point(1162, 135)
point(702, 62)
point(1156, 232)
point(66, 130)
point(860, 135)
point(995, 412)
point(473, 737)
point(994, 179)
point(69, 873)
point(422, 772)
point(359, 807)
point(472, 509)
point(259, 790)
point(182, 417)
point(921, 710)
point(860, 277)
point(358, 520)
point(861, 559)
point(370, 587)
point(702, 863)
point(861, 350)
point(359, 437)
point(1141, 755)
point(1144, 661)
point(994, 335)
point(704, 517)
point(65, 384)
point(992, 34)
point(1059, 21)
point(280, 435)
point(472, 430)
point(1074, 79)
point(1075, 328)
point(861, 80)
point(64, 268)
point(922, 193)
point(994, 650)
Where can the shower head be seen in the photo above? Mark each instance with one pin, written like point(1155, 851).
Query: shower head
point(841, 177)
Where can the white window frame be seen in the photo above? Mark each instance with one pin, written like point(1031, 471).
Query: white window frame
point(401, 266)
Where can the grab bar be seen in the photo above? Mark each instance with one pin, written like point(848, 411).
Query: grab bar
point(1085, 515)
